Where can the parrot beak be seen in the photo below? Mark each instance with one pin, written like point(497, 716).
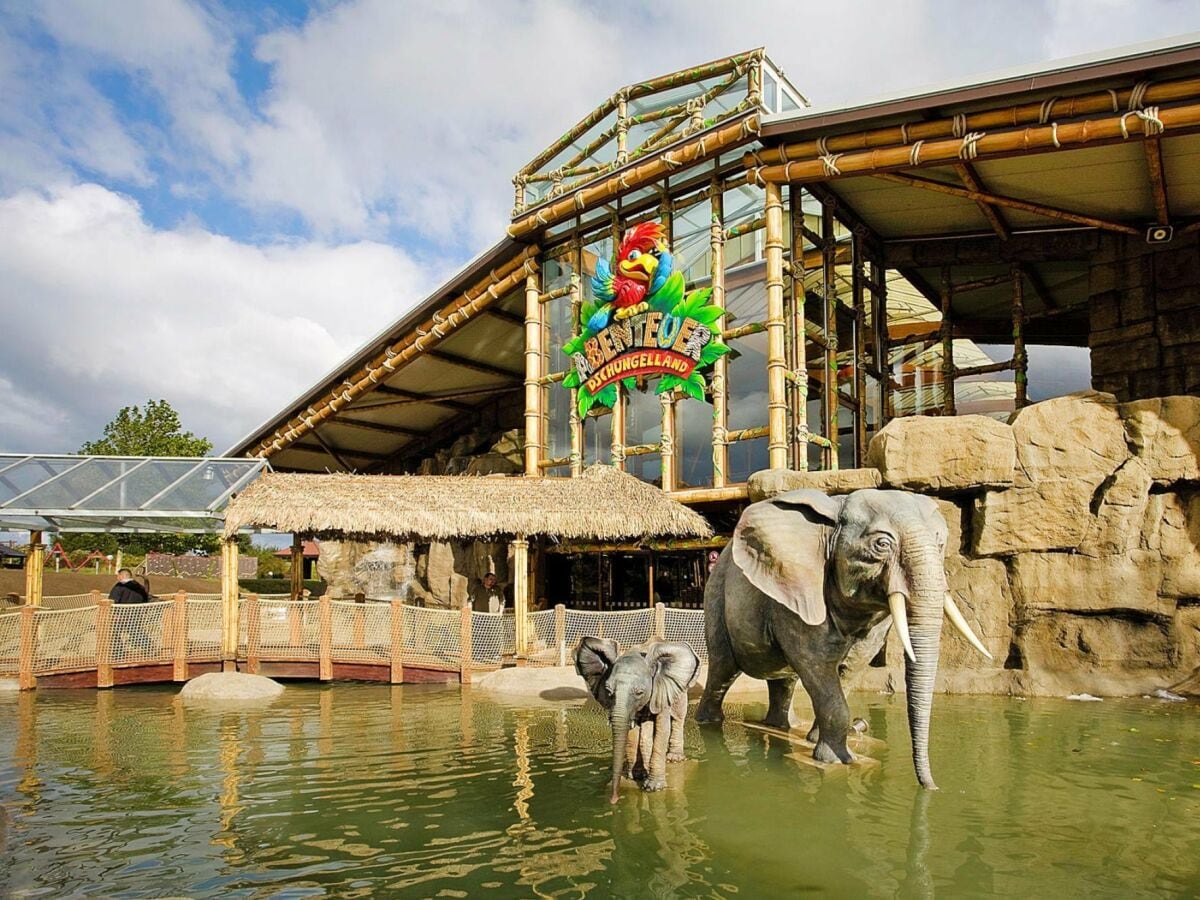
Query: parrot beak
point(640, 269)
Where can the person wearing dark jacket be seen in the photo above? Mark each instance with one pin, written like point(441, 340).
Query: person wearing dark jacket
point(126, 590)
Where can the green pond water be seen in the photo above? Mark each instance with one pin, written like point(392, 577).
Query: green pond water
point(356, 790)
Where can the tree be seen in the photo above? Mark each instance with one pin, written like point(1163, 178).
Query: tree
point(154, 431)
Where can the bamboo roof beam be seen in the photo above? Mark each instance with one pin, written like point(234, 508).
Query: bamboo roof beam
point(1050, 212)
point(1158, 178)
point(983, 145)
point(414, 343)
point(410, 398)
point(473, 365)
point(373, 426)
point(969, 178)
point(1104, 101)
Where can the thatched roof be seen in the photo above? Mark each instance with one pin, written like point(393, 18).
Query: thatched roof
point(603, 504)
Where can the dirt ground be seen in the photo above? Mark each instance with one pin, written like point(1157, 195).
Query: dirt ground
point(12, 581)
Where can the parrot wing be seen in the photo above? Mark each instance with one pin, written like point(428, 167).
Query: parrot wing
point(602, 282)
point(665, 264)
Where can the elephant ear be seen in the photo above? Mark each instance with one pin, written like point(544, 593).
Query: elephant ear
point(781, 546)
point(594, 658)
point(673, 667)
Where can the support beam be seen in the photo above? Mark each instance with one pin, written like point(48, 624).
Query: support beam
point(333, 452)
point(967, 175)
point(829, 390)
point(1050, 245)
point(575, 421)
point(374, 426)
point(229, 604)
point(297, 570)
point(325, 448)
point(777, 442)
point(1158, 178)
point(1050, 212)
point(473, 364)
point(521, 582)
point(409, 398)
point(798, 337)
point(947, 334)
point(533, 372)
point(1020, 355)
point(720, 375)
point(35, 562)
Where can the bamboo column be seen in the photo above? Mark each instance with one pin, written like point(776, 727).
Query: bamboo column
point(667, 442)
point(622, 129)
point(560, 632)
point(617, 442)
point(947, 301)
point(829, 402)
point(324, 638)
point(720, 375)
point(229, 604)
point(533, 372)
point(105, 635)
point(297, 588)
point(180, 647)
point(397, 641)
point(27, 648)
point(520, 547)
point(650, 576)
point(883, 350)
point(777, 442)
point(573, 417)
point(466, 651)
point(797, 345)
point(1020, 355)
point(253, 633)
point(860, 350)
point(35, 561)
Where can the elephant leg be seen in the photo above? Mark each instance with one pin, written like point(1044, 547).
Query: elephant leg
point(678, 717)
point(779, 710)
point(722, 671)
point(645, 748)
point(660, 729)
point(814, 734)
point(832, 712)
point(631, 752)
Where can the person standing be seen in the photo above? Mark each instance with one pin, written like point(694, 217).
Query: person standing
point(127, 590)
point(130, 626)
point(487, 595)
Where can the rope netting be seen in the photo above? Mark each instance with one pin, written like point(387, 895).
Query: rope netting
point(627, 628)
point(138, 634)
point(68, 601)
point(686, 625)
point(362, 632)
point(65, 640)
point(10, 645)
point(288, 630)
point(492, 636)
point(543, 639)
point(432, 636)
point(204, 630)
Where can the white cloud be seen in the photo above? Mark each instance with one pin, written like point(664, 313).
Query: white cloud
point(104, 311)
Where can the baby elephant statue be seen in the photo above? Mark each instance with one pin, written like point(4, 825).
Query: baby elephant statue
point(645, 693)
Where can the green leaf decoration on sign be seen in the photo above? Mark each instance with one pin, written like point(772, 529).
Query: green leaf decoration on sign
point(571, 380)
point(667, 297)
point(607, 395)
point(668, 383)
point(694, 386)
point(630, 384)
point(711, 353)
point(574, 345)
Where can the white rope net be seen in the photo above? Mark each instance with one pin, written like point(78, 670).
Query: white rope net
point(10, 645)
point(492, 636)
point(65, 640)
point(432, 637)
point(686, 625)
point(543, 640)
point(68, 601)
point(288, 631)
point(203, 630)
point(362, 632)
point(138, 632)
point(627, 628)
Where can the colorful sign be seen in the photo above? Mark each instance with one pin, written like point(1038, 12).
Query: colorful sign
point(640, 324)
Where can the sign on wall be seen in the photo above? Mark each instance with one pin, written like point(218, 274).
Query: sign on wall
point(640, 323)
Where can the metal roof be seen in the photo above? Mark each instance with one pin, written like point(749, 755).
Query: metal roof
point(172, 494)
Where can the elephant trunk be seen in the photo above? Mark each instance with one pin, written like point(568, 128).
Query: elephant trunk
point(620, 737)
point(925, 572)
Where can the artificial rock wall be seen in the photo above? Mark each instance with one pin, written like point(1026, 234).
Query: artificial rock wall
point(1074, 541)
point(438, 574)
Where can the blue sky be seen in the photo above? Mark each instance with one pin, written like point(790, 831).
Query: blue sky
point(213, 202)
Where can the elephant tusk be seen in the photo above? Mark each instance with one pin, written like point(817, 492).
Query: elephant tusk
point(954, 614)
point(896, 601)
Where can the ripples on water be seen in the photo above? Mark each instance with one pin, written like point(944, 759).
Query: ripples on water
point(435, 792)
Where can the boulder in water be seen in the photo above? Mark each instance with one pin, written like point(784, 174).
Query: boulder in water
point(240, 686)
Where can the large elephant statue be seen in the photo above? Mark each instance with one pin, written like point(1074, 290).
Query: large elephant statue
point(804, 578)
point(645, 693)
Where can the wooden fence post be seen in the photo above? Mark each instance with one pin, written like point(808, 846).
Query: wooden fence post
point(560, 632)
point(181, 637)
point(325, 611)
point(253, 633)
point(397, 656)
point(105, 638)
point(229, 605)
point(27, 649)
point(660, 621)
point(465, 651)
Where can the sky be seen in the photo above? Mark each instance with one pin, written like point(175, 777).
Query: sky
point(214, 203)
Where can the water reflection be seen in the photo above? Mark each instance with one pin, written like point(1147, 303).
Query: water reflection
point(355, 790)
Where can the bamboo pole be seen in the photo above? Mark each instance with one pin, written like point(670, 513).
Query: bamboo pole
point(324, 638)
point(1020, 355)
point(397, 642)
point(860, 351)
point(982, 146)
point(105, 638)
point(622, 129)
point(229, 605)
point(617, 431)
point(660, 621)
point(829, 404)
point(667, 443)
point(297, 571)
point(882, 341)
point(520, 547)
point(35, 561)
point(533, 371)
point(946, 292)
point(424, 337)
point(465, 651)
point(575, 421)
point(560, 632)
point(253, 633)
point(650, 578)
point(1026, 113)
point(27, 647)
point(180, 647)
point(704, 145)
point(797, 345)
point(720, 374)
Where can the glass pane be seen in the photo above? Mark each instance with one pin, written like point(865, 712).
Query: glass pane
point(643, 425)
point(693, 433)
point(597, 438)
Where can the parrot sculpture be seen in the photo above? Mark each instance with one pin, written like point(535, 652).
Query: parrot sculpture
point(642, 266)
